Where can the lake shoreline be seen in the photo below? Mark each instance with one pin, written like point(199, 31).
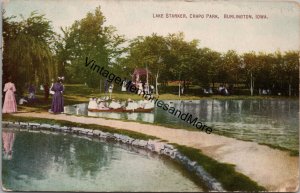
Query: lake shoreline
point(253, 160)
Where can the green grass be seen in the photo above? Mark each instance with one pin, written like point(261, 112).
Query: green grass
point(292, 152)
point(223, 172)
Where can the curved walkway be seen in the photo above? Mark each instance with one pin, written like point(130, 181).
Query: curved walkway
point(274, 169)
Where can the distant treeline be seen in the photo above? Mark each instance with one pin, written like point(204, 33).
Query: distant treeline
point(34, 53)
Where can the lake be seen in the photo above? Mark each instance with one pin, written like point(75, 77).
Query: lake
point(271, 121)
point(44, 161)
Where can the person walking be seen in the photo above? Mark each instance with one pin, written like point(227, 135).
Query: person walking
point(58, 99)
point(9, 105)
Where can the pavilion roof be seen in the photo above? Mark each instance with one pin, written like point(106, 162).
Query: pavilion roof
point(141, 71)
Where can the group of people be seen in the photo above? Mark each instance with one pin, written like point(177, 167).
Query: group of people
point(57, 89)
point(31, 98)
point(145, 87)
point(104, 104)
point(264, 91)
point(142, 87)
point(223, 90)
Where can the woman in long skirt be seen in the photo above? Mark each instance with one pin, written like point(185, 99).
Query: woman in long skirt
point(58, 100)
point(9, 105)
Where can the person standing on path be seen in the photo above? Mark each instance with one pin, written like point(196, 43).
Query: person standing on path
point(58, 99)
point(9, 105)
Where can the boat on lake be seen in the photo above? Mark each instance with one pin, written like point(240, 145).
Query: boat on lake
point(123, 110)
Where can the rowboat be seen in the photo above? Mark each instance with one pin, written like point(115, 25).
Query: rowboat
point(123, 110)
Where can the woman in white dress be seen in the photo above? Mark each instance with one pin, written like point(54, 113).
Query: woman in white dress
point(101, 106)
point(114, 104)
point(140, 87)
point(131, 105)
point(92, 104)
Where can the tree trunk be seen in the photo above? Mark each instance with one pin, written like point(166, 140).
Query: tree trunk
point(184, 86)
point(147, 76)
point(251, 84)
point(179, 89)
point(100, 85)
point(156, 83)
point(290, 86)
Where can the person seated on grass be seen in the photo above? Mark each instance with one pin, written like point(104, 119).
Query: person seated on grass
point(131, 105)
point(114, 104)
point(31, 91)
point(22, 101)
point(92, 104)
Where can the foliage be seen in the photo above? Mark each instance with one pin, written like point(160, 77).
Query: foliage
point(28, 55)
point(33, 52)
point(89, 37)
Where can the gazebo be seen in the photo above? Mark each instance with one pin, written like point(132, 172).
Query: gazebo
point(139, 73)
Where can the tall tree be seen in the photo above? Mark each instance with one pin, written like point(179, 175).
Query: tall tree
point(89, 37)
point(291, 70)
point(181, 58)
point(231, 67)
point(250, 66)
point(28, 55)
point(148, 52)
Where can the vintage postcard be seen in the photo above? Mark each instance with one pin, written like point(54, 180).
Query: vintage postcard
point(159, 96)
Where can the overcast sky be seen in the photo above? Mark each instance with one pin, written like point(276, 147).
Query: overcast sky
point(280, 31)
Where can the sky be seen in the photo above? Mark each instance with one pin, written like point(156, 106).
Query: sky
point(132, 18)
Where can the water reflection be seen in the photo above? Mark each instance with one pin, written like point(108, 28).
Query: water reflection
point(267, 121)
point(273, 121)
point(60, 162)
point(8, 138)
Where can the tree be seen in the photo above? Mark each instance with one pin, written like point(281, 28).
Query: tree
point(28, 55)
point(291, 70)
point(148, 51)
point(231, 67)
point(250, 65)
point(89, 37)
point(181, 57)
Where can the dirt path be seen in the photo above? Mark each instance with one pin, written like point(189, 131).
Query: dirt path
point(274, 169)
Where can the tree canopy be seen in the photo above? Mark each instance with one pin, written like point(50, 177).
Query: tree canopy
point(28, 53)
point(33, 52)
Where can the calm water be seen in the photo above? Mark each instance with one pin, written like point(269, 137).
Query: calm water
point(58, 162)
point(272, 121)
